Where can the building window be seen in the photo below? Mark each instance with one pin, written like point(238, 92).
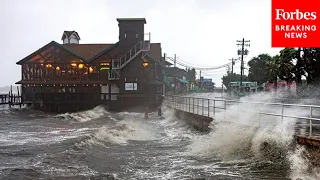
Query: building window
point(137, 35)
point(104, 66)
point(125, 36)
point(131, 86)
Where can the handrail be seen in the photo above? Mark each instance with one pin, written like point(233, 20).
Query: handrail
point(132, 53)
point(184, 103)
point(256, 102)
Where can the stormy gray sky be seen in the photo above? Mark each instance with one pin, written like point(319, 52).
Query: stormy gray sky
point(200, 32)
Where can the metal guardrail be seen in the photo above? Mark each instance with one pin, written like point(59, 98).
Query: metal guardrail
point(209, 107)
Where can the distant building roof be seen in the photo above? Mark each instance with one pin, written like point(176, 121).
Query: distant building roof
point(183, 81)
point(168, 63)
point(132, 19)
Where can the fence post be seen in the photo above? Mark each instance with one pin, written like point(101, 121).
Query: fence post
point(197, 105)
point(208, 107)
point(310, 121)
point(176, 102)
point(182, 104)
point(202, 106)
point(214, 107)
point(173, 102)
point(238, 109)
point(225, 109)
point(189, 104)
point(186, 104)
point(282, 111)
point(259, 114)
point(193, 105)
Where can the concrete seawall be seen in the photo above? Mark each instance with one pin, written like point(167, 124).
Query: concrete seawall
point(197, 121)
point(202, 123)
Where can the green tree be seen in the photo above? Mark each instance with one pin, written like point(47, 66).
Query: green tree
point(232, 78)
point(257, 68)
point(311, 65)
point(273, 67)
point(286, 61)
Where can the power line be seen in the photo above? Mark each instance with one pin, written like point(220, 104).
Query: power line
point(198, 68)
point(193, 65)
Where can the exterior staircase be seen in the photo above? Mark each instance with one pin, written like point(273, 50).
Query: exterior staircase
point(117, 64)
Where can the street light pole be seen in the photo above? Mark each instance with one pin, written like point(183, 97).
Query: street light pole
point(175, 73)
point(164, 75)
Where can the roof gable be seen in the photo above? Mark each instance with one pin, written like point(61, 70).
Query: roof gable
point(84, 52)
point(52, 43)
point(35, 52)
point(87, 51)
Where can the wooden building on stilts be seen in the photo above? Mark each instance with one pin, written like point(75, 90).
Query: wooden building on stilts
point(126, 75)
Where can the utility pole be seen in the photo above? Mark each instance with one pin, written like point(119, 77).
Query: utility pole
point(175, 72)
point(232, 64)
point(242, 52)
point(164, 75)
point(200, 82)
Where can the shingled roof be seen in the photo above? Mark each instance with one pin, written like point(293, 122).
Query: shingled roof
point(87, 51)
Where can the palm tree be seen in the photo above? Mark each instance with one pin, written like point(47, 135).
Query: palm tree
point(286, 66)
point(273, 69)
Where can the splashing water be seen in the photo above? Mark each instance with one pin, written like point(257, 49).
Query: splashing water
point(120, 133)
point(255, 140)
point(85, 116)
point(238, 147)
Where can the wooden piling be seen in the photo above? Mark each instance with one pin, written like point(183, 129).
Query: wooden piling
point(146, 113)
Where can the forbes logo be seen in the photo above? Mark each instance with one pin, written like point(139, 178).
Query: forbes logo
point(281, 14)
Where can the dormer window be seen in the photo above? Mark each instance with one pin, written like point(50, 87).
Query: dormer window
point(70, 37)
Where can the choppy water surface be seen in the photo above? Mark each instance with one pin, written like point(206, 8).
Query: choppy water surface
point(96, 144)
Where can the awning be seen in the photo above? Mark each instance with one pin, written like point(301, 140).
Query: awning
point(183, 81)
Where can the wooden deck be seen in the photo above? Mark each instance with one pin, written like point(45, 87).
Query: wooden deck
point(11, 99)
point(313, 141)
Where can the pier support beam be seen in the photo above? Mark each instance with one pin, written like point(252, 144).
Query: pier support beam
point(159, 111)
point(146, 113)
